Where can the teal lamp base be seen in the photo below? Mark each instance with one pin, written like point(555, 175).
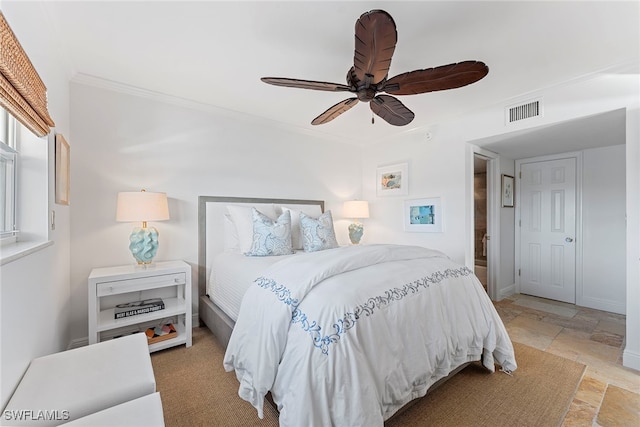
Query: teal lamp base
point(144, 244)
point(356, 230)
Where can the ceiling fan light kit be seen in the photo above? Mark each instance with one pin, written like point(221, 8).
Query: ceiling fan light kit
point(375, 42)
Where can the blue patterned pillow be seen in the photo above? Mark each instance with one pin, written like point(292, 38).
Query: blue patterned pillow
point(270, 237)
point(317, 234)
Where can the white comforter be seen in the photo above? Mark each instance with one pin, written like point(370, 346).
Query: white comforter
point(347, 336)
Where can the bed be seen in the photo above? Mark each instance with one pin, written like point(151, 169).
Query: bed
point(336, 335)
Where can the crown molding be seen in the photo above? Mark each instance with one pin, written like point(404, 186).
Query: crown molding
point(105, 84)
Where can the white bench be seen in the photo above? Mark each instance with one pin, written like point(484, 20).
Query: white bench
point(144, 411)
point(72, 384)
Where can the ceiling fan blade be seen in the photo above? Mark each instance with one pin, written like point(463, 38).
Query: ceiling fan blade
point(376, 39)
point(335, 111)
point(439, 78)
point(391, 110)
point(305, 84)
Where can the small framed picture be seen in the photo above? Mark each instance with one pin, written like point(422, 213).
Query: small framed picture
point(393, 180)
point(508, 191)
point(62, 170)
point(423, 215)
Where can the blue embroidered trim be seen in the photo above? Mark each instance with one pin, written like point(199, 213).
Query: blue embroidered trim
point(281, 292)
point(366, 309)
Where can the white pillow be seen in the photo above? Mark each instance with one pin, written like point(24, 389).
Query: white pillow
point(243, 220)
point(317, 233)
point(271, 237)
point(296, 235)
point(230, 235)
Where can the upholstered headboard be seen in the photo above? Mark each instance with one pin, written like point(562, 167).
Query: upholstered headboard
point(211, 210)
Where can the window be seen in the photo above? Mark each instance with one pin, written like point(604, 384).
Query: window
point(8, 177)
point(24, 152)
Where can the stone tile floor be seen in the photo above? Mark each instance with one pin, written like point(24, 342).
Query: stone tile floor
point(609, 394)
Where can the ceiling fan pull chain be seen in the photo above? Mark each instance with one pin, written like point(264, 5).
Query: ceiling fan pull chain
point(372, 118)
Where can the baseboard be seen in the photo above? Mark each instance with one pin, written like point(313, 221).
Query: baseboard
point(506, 292)
point(631, 360)
point(602, 304)
point(195, 320)
point(78, 342)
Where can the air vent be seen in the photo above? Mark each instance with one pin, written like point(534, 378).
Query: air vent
point(523, 111)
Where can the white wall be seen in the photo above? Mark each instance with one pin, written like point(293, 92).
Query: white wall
point(124, 142)
point(631, 354)
point(437, 168)
point(35, 293)
point(603, 229)
point(506, 278)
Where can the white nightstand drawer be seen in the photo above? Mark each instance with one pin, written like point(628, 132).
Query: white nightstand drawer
point(139, 284)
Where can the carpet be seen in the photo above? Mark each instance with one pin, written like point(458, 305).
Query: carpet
point(196, 391)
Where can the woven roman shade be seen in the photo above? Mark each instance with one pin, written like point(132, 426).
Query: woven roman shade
point(22, 92)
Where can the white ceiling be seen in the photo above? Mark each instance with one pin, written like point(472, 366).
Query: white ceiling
point(215, 52)
point(599, 130)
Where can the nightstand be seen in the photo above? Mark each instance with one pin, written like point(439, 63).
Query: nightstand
point(110, 286)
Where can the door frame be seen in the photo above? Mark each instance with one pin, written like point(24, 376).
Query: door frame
point(578, 237)
point(493, 219)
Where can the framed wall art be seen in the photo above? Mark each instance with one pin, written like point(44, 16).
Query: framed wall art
point(62, 170)
point(508, 191)
point(392, 180)
point(423, 215)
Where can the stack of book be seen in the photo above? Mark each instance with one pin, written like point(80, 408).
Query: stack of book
point(135, 308)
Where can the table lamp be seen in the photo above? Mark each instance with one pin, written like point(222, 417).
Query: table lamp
point(142, 206)
point(356, 210)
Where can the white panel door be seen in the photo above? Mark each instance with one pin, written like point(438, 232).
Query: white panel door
point(548, 229)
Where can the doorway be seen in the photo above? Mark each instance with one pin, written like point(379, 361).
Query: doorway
point(480, 227)
point(483, 232)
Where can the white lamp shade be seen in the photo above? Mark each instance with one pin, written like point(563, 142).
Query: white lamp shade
point(136, 206)
point(356, 209)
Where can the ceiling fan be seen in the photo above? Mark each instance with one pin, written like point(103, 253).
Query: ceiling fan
point(376, 37)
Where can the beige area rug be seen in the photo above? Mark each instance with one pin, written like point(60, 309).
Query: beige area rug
point(196, 391)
